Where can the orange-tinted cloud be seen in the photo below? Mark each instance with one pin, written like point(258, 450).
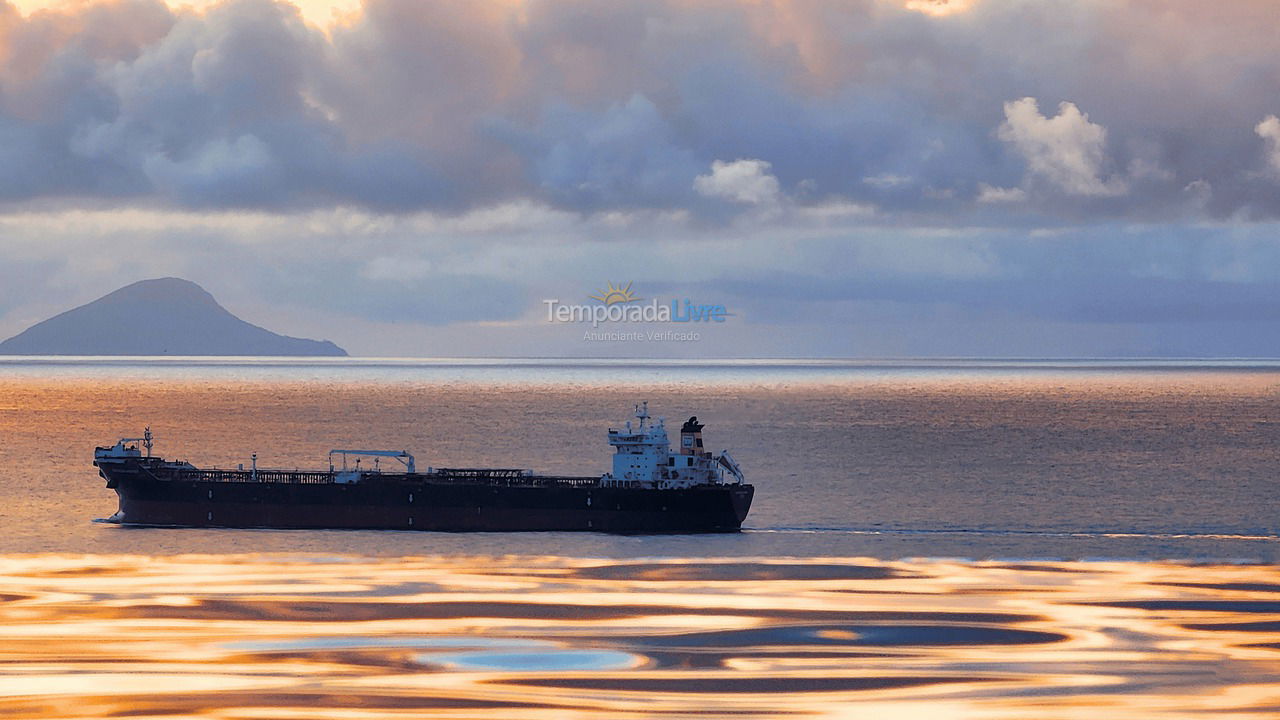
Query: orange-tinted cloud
point(593, 106)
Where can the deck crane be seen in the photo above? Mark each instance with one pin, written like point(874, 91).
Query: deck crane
point(402, 455)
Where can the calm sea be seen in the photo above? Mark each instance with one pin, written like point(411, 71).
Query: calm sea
point(977, 459)
point(940, 539)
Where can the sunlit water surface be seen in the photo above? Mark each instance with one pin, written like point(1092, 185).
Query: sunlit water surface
point(243, 636)
point(1078, 459)
point(1114, 524)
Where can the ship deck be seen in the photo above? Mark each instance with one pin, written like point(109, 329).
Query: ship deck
point(498, 477)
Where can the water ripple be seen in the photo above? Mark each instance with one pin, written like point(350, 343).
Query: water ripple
point(535, 637)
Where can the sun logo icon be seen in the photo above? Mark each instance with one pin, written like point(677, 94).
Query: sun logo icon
point(614, 295)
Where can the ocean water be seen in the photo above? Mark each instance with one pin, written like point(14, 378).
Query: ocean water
point(552, 637)
point(980, 460)
point(935, 539)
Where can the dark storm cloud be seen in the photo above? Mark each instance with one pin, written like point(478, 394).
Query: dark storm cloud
point(1005, 113)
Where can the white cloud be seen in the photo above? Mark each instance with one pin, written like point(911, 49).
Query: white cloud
point(741, 181)
point(990, 194)
point(1200, 192)
point(885, 181)
point(835, 210)
point(1269, 131)
point(1066, 150)
point(939, 8)
point(1145, 168)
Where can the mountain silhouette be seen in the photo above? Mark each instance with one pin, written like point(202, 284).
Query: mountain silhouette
point(165, 316)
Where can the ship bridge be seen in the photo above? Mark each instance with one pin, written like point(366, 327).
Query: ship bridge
point(641, 451)
point(643, 456)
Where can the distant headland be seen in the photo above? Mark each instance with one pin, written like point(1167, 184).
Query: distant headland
point(165, 316)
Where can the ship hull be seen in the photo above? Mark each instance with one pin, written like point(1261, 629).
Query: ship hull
point(412, 503)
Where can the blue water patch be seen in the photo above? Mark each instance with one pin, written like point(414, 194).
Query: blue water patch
point(473, 653)
point(548, 660)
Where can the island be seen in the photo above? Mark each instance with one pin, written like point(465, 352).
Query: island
point(164, 316)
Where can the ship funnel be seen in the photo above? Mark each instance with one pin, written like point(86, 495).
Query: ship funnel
point(691, 437)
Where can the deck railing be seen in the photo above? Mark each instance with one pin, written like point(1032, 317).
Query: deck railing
point(497, 477)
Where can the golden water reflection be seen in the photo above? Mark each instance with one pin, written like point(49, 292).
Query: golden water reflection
point(520, 637)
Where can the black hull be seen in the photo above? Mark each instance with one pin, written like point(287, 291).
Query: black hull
point(411, 503)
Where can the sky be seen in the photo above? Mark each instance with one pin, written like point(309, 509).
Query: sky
point(852, 178)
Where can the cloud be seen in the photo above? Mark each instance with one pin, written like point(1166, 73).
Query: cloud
point(1199, 192)
point(396, 269)
point(592, 107)
point(1067, 150)
point(990, 194)
point(939, 8)
point(834, 210)
point(221, 170)
point(624, 156)
point(850, 164)
point(420, 284)
point(741, 181)
point(1269, 131)
point(886, 181)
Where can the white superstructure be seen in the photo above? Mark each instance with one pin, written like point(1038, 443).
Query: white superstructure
point(643, 457)
point(122, 450)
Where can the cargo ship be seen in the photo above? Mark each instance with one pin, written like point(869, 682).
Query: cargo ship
point(651, 489)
